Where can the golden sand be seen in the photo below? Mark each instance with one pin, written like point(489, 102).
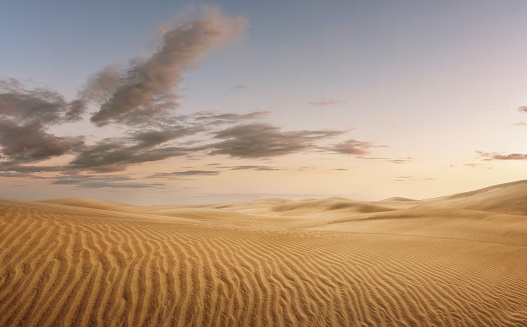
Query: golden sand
point(452, 261)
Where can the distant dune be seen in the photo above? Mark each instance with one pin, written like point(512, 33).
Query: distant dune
point(458, 260)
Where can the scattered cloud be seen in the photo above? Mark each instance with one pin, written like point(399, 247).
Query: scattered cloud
point(400, 160)
point(142, 97)
point(258, 168)
point(327, 102)
point(412, 178)
point(522, 109)
point(214, 118)
point(260, 140)
point(240, 87)
point(103, 181)
point(351, 146)
point(497, 156)
point(186, 173)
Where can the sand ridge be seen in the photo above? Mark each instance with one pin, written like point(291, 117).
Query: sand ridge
point(451, 261)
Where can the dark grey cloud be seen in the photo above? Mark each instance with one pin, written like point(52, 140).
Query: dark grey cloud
point(522, 109)
point(42, 106)
point(487, 156)
point(116, 154)
point(26, 115)
point(186, 173)
point(263, 140)
point(146, 88)
point(351, 146)
point(327, 102)
point(15, 174)
point(30, 142)
point(24, 171)
point(136, 147)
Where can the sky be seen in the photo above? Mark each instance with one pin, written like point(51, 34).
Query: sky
point(172, 102)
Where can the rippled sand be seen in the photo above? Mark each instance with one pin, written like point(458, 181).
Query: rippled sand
point(453, 261)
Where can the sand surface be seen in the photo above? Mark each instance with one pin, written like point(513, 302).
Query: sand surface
point(459, 260)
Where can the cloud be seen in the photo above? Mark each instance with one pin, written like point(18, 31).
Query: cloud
point(520, 124)
point(115, 154)
point(260, 140)
point(214, 118)
point(186, 173)
point(29, 169)
point(412, 178)
point(351, 146)
point(42, 106)
point(104, 181)
point(26, 115)
point(400, 160)
point(327, 102)
point(240, 87)
point(143, 96)
point(472, 165)
point(258, 168)
point(497, 156)
point(146, 88)
point(522, 109)
point(30, 142)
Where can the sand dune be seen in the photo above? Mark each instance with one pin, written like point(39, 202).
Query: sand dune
point(459, 260)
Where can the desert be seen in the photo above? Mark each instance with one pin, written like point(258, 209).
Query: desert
point(458, 260)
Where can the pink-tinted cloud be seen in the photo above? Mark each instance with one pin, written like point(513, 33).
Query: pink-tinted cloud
point(327, 102)
point(497, 156)
point(353, 147)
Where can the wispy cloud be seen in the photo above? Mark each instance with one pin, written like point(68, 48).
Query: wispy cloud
point(522, 109)
point(260, 140)
point(258, 168)
point(412, 178)
point(104, 181)
point(351, 147)
point(215, 118)
point(400, 160)
point(488, 156)
point(327, 102)
point(240, 87)
point(186, 173)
